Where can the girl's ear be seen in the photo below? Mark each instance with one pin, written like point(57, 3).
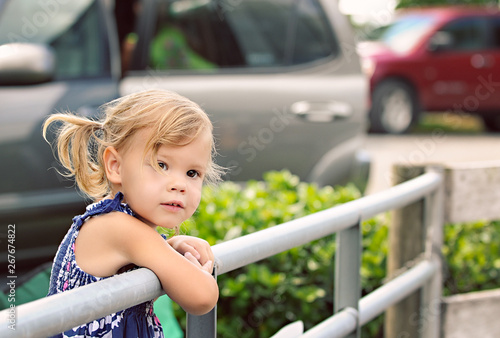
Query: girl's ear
point(112, 165)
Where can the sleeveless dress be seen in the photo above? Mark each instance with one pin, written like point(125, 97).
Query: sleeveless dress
point(137, 321)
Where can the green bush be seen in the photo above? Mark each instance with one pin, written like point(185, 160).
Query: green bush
point(472, 257)
point(258, 299)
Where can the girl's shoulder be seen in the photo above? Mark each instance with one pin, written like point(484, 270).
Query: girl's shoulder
point(100, 245)
point(106, 229)
point(113, 224)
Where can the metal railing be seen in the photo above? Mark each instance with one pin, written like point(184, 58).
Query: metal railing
point(63, 311)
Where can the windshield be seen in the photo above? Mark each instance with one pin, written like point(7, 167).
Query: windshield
point(402, 35)
point(34, 21)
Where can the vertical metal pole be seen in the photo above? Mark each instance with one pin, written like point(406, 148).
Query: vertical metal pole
point(430, 316)
point(347, 271)
point(204, 326)
point(406, 244)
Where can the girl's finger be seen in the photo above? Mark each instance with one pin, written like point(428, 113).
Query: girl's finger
point(192, 250)
point(208, 266)
point(189, 256)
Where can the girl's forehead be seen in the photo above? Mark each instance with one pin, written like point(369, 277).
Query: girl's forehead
point(202, 142)
point(146, 141)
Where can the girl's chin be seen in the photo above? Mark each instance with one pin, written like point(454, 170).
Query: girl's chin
point(156, 224)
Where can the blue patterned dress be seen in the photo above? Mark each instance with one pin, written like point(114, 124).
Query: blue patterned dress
point(137, 321)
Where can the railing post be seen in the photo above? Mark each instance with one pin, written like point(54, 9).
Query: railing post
point(203, 326)
point(434, 206)
point(406, 244)
point(347, 271)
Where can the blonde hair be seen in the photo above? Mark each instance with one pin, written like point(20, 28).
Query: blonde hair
point(172, 119)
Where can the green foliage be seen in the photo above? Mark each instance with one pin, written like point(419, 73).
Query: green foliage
point(258, 299)
point(420, 3)
point(472, 256)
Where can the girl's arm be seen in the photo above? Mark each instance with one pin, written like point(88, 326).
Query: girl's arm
point(109, 242)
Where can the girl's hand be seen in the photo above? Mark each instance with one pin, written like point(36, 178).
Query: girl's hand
point(208, 266)
point(195, 249)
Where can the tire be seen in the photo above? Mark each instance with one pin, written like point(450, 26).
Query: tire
point(395, 109)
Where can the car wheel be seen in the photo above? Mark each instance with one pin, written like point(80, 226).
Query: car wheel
point(394, 108)
point(492, 122)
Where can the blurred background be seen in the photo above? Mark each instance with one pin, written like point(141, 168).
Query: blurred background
point(433, 68)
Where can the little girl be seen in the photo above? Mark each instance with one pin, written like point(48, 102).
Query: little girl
point(144, 165)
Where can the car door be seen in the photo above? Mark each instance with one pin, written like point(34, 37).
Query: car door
point(71, 43)
point(279, 79)
point(466, 69)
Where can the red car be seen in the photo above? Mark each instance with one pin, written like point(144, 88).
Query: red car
point(434, 59)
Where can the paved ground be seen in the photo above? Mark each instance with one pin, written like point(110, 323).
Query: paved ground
point(435, 147)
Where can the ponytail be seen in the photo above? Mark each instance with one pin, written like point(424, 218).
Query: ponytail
point(79, 148)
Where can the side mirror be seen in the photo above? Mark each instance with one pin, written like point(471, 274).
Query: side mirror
point(26, 63)
point(440, 41)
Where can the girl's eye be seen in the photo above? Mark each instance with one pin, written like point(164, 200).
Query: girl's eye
point(162, 165)
point(193, 173)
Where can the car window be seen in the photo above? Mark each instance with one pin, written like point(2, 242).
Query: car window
point(71, 28)
point(249, 34)
point(403, 34)
point(467, 34)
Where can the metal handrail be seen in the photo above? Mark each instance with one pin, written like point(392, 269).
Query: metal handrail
point(63, 311)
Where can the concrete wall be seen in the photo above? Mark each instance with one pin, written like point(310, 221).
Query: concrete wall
point(475, 314)
point(472, 192)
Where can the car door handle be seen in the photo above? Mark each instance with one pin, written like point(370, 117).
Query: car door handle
point(321, 111)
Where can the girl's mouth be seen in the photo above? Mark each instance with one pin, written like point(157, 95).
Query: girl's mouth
point(174, 205)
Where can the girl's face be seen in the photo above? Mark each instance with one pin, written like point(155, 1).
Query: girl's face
point(164, 199)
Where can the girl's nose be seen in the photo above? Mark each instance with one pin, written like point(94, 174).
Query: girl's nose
point(178, 184)
point(177, 188)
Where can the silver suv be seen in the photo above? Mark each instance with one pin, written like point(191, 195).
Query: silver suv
point(279, 78)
